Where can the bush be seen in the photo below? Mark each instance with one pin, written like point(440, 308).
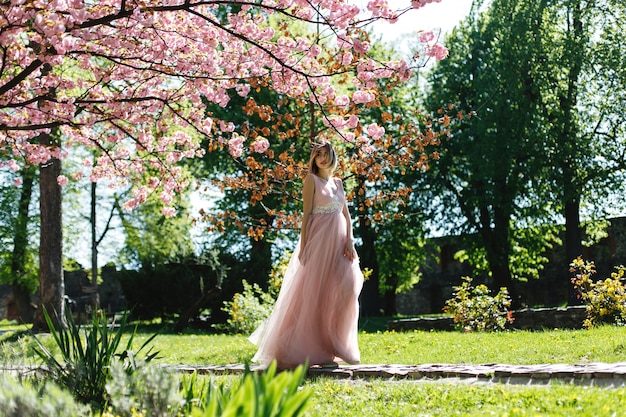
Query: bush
point(85, 356)
point(605, 299)
point(26, 400)
point(474, 309)
point(248, 309)
point(149, 390)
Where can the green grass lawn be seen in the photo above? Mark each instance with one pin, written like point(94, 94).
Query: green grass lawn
point(365, 398)
point(603, 344)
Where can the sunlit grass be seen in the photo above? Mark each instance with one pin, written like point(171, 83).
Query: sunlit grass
point(603, 344)
point(381, 398)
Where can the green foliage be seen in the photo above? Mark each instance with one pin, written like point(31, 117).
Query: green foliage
point(258, 394)
point(28, 400)
point(400, 246)
point(15, 350)
point(153, 238)
point(18, 227)
point(605, 299)
point(85, 357)
point(154, 391)
point(151, 389)
point(474, 309)
point(248, 309)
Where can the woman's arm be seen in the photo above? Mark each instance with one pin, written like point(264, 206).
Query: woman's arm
point(308, 189)
point(348, 250)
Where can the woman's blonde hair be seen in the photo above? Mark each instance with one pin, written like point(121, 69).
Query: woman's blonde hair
point(315, 148)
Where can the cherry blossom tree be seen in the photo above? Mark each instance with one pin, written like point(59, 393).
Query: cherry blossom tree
point(128, 79)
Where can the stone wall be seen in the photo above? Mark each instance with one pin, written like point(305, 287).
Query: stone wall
point(441, 272)
point(77, 285)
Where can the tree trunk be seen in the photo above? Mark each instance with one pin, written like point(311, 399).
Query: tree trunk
point(195, 308)
point(389, 303)
point(95, 299)
point(572, 184)
point(573, 243)
point(260, 265)
point(21, 291)
point(51, 283)
point(498, 247)
point(371, 303)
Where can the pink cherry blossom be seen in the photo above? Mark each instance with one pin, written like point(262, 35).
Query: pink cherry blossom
point(146, 72)
point(353, 121)
point(426, 36)
point(437, 51)
point(360, 97)
point(342, 101)
point(235, 145)
point(169, 211)
point(375, 131)
point(62, 180)
point(416, 4)
point(260, 144)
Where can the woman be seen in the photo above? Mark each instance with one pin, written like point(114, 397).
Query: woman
point(316, 313)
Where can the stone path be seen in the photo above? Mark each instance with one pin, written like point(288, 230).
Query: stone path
point(599, 374)
point(596, 374)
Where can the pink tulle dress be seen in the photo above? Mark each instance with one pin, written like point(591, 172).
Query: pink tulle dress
point(315, 316)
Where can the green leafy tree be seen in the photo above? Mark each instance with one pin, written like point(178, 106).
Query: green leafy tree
point(583, 107)
point(482, 182)
point(18, 224)
point(152, 238)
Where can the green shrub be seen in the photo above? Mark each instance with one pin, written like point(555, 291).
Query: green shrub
point(17, 351)
point(248, 309)
point(474, 309)
point(27, 400)
point(85, 357)
point(150, 389)
point(605, 299)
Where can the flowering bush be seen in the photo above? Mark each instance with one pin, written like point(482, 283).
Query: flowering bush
point(605, 299)
point(474, 309)
point(249, 308)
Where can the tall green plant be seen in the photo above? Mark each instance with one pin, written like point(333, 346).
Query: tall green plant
point(259, 394)
point(82, 364)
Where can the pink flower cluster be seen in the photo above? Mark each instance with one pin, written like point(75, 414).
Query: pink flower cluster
point(235, 145)
point(416, 4)
point(431, 48)
point(260, 144)
point(132, 83)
